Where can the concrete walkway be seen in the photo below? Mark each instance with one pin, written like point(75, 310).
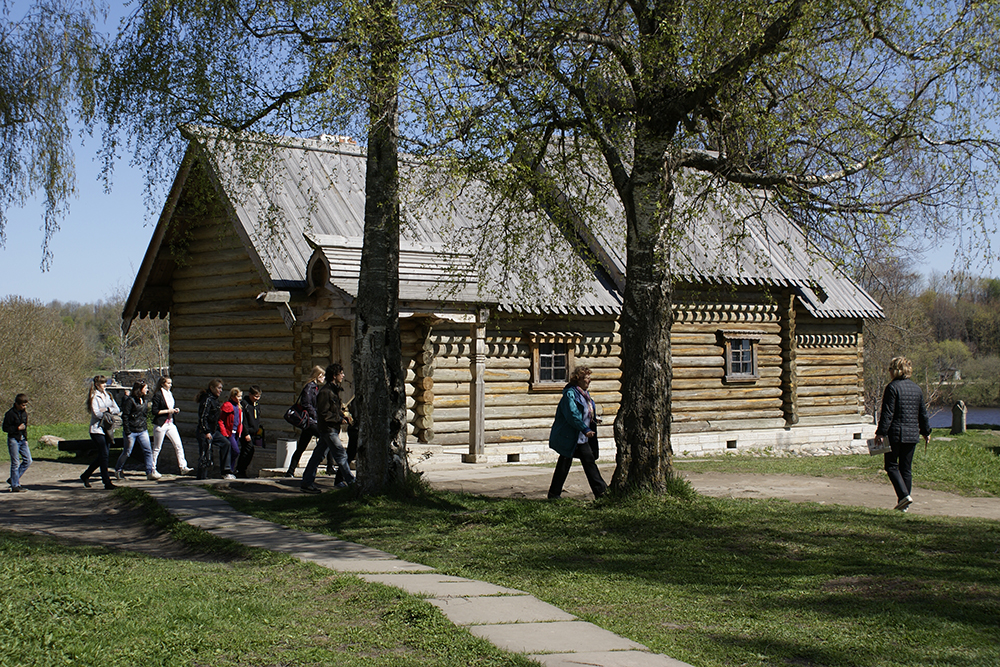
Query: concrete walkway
point(509, 618)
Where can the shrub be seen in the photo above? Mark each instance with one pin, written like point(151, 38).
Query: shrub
point(45, 358)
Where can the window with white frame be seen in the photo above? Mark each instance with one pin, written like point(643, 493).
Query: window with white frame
point(741, 355)
point(552, 356)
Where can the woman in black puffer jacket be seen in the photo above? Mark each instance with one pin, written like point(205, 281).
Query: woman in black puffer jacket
point(903, 420)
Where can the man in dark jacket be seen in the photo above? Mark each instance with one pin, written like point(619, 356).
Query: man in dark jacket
point(330, 412)
point(15, 425)
point(253, 432)
point(903, 420)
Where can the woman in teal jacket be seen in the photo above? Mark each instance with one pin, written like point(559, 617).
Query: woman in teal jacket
point(575, 425)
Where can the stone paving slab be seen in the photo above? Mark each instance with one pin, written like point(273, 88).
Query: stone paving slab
point(358, 566)
point(440, 586)
point(492, 609)
point(558, 637)
point(508, 618)
point(607, 659)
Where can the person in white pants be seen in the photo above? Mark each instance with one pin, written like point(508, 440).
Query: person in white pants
point(163, 411)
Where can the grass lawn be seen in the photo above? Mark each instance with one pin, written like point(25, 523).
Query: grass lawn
point(713, 582)
point(84, 605)
point(67, 431)
point(967, 464)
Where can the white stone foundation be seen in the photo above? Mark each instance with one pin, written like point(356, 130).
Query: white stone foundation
point(799, 440)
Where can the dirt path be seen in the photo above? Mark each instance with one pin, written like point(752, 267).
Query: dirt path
point(532, 482)
point(59, 506)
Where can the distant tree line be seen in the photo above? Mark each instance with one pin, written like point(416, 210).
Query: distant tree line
point(949, 326)
point(48, 351)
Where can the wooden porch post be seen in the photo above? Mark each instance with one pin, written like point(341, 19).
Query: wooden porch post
point(477, 390)
point(789, 372)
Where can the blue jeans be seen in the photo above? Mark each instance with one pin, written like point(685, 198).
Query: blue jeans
point(147, 450)
point(20, 459)
point(328, 439)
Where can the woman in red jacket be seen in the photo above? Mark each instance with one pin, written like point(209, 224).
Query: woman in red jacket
point(231, 428)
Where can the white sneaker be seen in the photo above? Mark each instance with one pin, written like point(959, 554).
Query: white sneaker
point(153, 476)
point(230, 476)
point(904, 504)
point(187, 471)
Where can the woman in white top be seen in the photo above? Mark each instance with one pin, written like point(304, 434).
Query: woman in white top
point(100, 402)
point(163, 411)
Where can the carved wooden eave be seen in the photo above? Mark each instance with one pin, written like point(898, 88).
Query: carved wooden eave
point(156, 301)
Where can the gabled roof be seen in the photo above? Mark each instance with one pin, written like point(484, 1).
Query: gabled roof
point(306, 205)
point(425, 270)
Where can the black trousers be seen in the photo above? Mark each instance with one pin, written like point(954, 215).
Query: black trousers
point(246, 456)
point(586, 456)
point(101, 442)
point(308, 433)
point(204, 456)
point(899, 467)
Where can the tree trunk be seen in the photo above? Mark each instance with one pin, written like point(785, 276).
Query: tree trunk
point(642, 427)
point(380, 395)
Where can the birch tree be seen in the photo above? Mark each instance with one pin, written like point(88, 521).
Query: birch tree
point(297, 67)
point(48, 50)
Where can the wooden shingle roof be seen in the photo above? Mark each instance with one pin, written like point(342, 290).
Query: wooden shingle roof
point(307, 205)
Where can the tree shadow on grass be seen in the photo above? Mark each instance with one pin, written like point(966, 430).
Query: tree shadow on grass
point(627, 563)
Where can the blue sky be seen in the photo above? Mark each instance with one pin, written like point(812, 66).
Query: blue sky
point(98, 248)
point(102, 241)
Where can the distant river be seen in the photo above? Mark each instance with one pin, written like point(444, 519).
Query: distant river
point(942, 419)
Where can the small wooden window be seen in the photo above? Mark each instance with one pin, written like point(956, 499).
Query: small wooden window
point(553, 364)
point(551, 359)
point(741, 355)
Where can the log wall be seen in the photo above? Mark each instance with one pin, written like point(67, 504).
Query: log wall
point(217, 329)
point(516, 414)
point(809, 371)
point(830, 370)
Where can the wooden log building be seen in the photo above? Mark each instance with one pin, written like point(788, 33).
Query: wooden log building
point(259, 282)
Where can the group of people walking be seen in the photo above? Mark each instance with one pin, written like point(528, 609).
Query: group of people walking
point(326, 416)
point(233, 427)
point(139, 406)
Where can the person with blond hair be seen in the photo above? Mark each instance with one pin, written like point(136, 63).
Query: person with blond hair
point(573, 434)
point(902, 421)
point(230, 429)
point(307, 400)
